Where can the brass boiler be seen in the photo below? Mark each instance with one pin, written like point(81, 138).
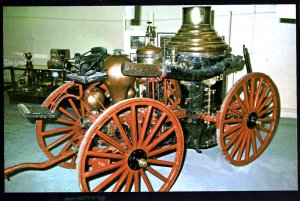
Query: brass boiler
point(199, 45)
point(119, 85)
point(196, 36)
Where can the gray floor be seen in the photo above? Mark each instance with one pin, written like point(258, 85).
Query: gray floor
point(276, 169)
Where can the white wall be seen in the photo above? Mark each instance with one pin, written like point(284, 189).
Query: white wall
point(271, 44)
point(39, 29)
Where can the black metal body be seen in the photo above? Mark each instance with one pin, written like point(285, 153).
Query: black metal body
point(199, 95)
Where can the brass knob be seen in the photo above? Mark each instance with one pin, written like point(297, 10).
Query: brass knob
point(143, 163)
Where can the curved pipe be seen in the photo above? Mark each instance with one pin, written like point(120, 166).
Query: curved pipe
point(230, 63)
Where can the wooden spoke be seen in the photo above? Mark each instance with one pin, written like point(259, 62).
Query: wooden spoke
point(74, 107)
point(258, 136)
point(129, 181)
point(73, 159)
point(172, 93)
point(157, 174)
point(238, 134)
point(263, 129)
point(161, 162)
point(233, 129)
point(105, 168)
point(236, 111)
point(146, 180)
point(247, 152)
point(68, 145)
point(136, 175)
point(241, 103)
point(145, 125)
point(133, 126)
point(264, 104)
point(64, 121)
point(243, 144)
point(154, 130)
point(253, 142)
point(108, 180)
point(258, 91)
point(266, 120)
point(262, 96)
point(260, 114)
point(251, 103)
point(236, 145)
point(233, 121)
point(246, 98)
point(62, 110)
point(121, 130)
point(162, 150)
point(61, 140)
point(111, 141)
point(160, 139)
point(57, 130)
point(121, 180)
point(105, 155)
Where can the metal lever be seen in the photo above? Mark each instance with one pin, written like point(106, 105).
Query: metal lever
point(247, 60)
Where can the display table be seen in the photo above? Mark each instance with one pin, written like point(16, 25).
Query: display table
point(32, 85)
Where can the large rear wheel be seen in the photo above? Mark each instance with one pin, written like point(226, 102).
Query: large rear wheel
point(135, 145)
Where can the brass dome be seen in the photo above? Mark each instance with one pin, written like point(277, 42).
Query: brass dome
point(197, 36)
point(149, 54)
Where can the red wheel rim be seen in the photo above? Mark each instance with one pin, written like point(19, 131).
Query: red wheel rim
point(135, 145)
point(249, 118)
point(56, 136)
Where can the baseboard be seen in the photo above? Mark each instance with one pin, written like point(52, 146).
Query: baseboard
point(290, 113)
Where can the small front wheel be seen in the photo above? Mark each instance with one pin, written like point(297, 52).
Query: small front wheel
point(57, 136)
point(249, 118)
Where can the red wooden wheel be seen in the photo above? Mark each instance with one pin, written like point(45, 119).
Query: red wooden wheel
point(135, 145)
point(172, 93)
point(57, 136)
point(249, 117)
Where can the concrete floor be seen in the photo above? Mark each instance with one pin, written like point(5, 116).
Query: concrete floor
point(275, 170)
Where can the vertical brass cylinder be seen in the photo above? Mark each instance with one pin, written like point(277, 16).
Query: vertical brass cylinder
point(197, 36)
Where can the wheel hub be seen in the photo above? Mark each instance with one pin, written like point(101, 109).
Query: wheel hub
point(252, 120)
point(137, 159)
point(85, 122)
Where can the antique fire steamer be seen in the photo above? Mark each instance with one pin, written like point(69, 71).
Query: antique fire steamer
point(125, 126)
